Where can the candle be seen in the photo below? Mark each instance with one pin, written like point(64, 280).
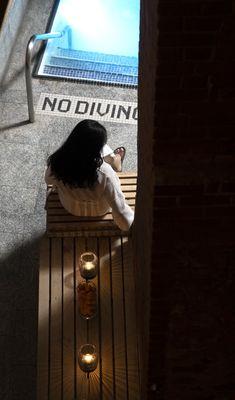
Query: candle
point(88, 265)
point(87, 358)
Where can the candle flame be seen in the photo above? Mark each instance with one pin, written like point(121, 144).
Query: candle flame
point(89, 265)
point(88, 358)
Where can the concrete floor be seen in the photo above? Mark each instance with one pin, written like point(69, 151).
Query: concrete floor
point(24, 149)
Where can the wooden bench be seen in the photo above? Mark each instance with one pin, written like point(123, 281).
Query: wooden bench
point(61, 223)
point(61, 329)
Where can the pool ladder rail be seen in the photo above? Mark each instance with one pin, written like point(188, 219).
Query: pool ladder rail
point(28, 62)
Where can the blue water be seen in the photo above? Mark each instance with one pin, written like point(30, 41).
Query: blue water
point(104, 45)
point(101, 26)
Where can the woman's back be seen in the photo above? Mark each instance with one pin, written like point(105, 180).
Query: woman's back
point(87, 185)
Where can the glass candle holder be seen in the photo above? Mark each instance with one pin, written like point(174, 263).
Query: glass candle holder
point(87, 358)
point(88, 265)
point(87, 299)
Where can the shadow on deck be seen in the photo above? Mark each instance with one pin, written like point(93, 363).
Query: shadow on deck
point(62, 330)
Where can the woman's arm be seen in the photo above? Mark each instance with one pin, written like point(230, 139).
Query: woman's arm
point(123, 215)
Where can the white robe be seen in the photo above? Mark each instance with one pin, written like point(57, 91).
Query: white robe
point(105, 196)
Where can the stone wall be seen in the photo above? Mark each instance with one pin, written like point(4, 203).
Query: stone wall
point(8, 31)
point(186, 168)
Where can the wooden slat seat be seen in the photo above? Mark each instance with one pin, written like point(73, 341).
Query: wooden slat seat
point(62, 330)
point(61, 223)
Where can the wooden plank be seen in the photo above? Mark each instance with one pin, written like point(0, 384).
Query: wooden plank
point(55, 201)
point(43, 320)
point(69, 226)
point(73, 219)
point(106, 316)
point(69, 356)
point(128, 180)
point(128, 188)
point(94, 329)
point(112, 330)
point(84, 224)
point(129, 174)
point(59, 220)
point(81, 324)
point(87, 233)
point(57, 205)
point(56, 371)
point(121, 383)
point(70, 217)
point(132, 364)
point(61, 215)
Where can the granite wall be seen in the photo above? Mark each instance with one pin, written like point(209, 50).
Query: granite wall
point(13, 14)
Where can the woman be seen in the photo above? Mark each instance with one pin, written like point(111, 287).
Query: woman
point(86, 182)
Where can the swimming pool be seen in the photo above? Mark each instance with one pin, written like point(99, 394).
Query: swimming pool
point(99, 44)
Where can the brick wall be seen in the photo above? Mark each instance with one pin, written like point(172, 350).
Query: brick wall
point(187, 99)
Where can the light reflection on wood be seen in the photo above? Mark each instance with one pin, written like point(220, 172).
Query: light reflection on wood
point(113, 330)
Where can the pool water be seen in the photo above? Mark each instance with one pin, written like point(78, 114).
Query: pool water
point(100, 42)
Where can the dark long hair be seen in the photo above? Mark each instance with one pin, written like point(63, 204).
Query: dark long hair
point(76, 162)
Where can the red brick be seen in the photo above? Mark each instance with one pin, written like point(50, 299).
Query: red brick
point(170, 24)
point(228, 187)
point(171, 54)
point(169, 133)
point(171, 120)
point(167, 106)
point(180, 213)
point(191, 8)
point(218, 212)
point(165, 202)
point(223, 79)
point(193, 151)
point(224, 54)
point(226, 93)
point(175, 68)
point(217, 8)
point(220, 112)
point(194, 81)
point(187, 40)
point(213, 187)
point(182, 94)
point(208, 107)
point(174, 190)
point(202, 24)
point(197, 54)
point(194, 134)
point(215, 67)
point(167, 82)
point(190, 324)
point(205, 200)
point(169, 8)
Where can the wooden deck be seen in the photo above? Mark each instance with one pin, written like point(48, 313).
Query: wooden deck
point(61, 329)
point(61, 223)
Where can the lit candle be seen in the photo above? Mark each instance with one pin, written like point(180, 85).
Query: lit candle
point(88, 265)
point(87, 358)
